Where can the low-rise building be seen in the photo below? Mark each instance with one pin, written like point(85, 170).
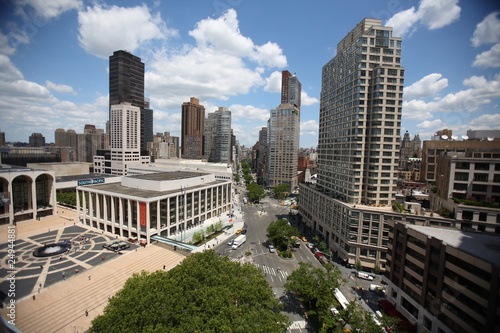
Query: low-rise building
point(355, 231)
point(26, 194)
point(444, 280)
point(164, 204)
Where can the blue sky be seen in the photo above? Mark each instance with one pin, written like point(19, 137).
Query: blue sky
point(230, 53)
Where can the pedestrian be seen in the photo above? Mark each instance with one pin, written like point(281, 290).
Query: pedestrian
point(109, 296)
point(86, 313)
point(64, 275)
point(34, 298)
point(163, 266)
point(89, 277)
point(40, 285)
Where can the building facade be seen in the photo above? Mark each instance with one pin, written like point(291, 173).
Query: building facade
point(146, 205)
point(444, 280)
point(358, 146)
point(468, 186)
point(125, 144)
point(193, 129)
point(432, 149)
point(126, 79)
point(360, 116)
point(126, 84)
point(26, 194)
point(164, 146)
point(291, 89)
point(283, 146)
point(218, 146)
point(36, 140)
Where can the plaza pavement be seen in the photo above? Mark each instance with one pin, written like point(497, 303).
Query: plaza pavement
point(60, 306)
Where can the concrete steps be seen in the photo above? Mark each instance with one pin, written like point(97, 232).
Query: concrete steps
point(61, 307)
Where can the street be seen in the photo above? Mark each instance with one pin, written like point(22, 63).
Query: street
point(255, 250)
point(276, 270)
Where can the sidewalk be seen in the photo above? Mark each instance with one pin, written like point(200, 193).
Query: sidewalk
point(71, 304)
point(236, 224)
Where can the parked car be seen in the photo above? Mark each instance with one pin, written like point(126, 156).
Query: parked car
point(310, 246)
point(230, 242)
point(239, 231)
point(243, 231)
point(271, 248)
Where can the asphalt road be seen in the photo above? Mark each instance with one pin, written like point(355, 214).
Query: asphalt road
point(276, 270)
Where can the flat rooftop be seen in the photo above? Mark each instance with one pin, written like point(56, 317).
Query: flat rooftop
point(83, 177)
point(171, 175)
point(480, 245)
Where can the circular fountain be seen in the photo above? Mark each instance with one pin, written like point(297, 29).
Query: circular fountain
point(51, 249)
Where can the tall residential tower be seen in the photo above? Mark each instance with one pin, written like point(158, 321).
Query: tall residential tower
point(360, 116)
point(358, 145)
point(193, 129)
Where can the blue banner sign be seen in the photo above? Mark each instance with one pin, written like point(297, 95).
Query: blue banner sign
point(91, 181)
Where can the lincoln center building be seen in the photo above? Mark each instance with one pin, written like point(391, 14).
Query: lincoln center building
point(162, 204)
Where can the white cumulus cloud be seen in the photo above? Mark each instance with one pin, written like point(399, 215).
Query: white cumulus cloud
point(433, 14)
point(305, 99)
point(481, 92)
point(273, 82)
point(8, 72)
point(103, 30)
point(490, 58)
point(223, 34)
point(487, 31)
point(428, 86)
point(60, 88)
point(436, 123)
point(248, 112)
point(47, 9)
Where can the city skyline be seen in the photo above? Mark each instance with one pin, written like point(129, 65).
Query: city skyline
point(54, 61)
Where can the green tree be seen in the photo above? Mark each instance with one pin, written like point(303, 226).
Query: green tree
point(280, 233)
point(314, 288)
point(248, 179)
point(67, 198)
point(236, 177)
point(359, 319)
point(206, 293)
point(358, 265)
point(255, 192)
point(198, 236)
point(281, 191)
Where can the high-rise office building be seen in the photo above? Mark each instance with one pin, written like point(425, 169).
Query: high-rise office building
point(129, 116)
point(193, 129)
point(126, 79)
point(290, 89)
point(126, 84)
point(125, 143)
point(283, 146)
point(360, 116)
point(218, 146)
point(146, 125)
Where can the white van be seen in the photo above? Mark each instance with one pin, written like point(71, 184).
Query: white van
point(365, 276)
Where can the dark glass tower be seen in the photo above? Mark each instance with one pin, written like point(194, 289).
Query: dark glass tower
point(126, 84)
point(126, 79)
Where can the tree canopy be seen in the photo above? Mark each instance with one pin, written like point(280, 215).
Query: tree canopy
point(314, 287)
point(280, 233)
point(205, 293)
point(281, 191)
point(255, 192)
